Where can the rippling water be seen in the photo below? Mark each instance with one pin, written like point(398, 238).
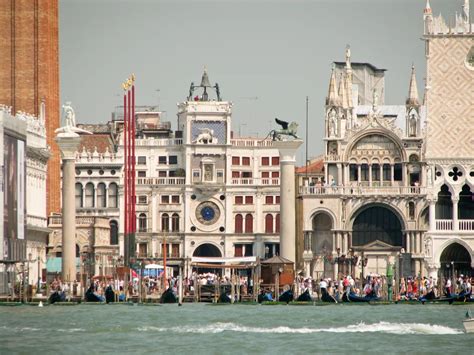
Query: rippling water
point(210, 329)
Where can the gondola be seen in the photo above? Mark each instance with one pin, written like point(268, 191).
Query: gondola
point(91, 296)
point(109, 294)
point(304, 297)
point(264, 297)
point(352, 297)
point(462, 297)
point(57, 296)
point(326, 297)
point(224, 298)
point(286, 296)
point(168, 296)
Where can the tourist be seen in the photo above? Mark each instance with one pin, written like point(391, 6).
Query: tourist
point(447, 287)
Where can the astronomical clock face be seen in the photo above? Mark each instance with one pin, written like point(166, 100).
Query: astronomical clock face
point(207, 213)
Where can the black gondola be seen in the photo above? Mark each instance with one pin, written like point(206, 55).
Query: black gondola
point(326, 297)
point(264, 297)
point(286, 296)
point(352, 297)
point(304, 297)
point(57, 296)
point(109, 294)
point(91, 296)
point(224, 298)
point(168, 296)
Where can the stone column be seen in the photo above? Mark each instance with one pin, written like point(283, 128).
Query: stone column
point(455, 200)
point(287, 151)
point(68, 144)
point(432, 214)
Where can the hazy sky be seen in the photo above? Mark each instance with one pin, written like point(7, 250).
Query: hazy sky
point(267, 56)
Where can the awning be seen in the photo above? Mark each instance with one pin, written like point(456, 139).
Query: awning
point(224, 260)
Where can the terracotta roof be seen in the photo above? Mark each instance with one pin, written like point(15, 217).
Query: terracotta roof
point(314, 166)
point(101, 141)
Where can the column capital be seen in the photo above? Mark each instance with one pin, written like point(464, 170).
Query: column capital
point(287, 150)
point(68, 145)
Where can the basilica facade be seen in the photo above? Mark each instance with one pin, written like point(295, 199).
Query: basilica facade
point(397, 179)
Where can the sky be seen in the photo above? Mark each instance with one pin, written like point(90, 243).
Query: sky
point(266, 55)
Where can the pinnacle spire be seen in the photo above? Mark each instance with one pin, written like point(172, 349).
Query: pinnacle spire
point(413, 89)
point(332, 97)
point(342, 92)
point(428, 7)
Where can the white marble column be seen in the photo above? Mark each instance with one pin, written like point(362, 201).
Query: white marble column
point(68, 144)
point(287, 151)
point(432, 214)
point(407, 242)
point(455, 200)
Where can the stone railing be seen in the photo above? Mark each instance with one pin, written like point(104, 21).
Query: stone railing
point(161, 181)
point(87, 157)
point(82, 221)
point(36, 221)
point(362, 190)
point(157, 142)
point(444, 224)
point(466, 224)
point(256, 181)
point(251, 142)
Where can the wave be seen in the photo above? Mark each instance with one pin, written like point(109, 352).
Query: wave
point(381, 327)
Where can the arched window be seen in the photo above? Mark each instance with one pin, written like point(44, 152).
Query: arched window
point(375, 172)
point(175, 222)
point(364, 172)
point(165, 222)
point(101, 198)
point(387, 172)
point(277, 223)
point(89, 195)
point(466, 203)
point(411, 210)
point(444, 205)
point(248, 223)
point(269, 223)
point(113, 193)
point(238, 224)
point(142, 225)
point(79, 195)
point(114, 233)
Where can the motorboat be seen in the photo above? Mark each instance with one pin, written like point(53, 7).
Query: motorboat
point(468, 323)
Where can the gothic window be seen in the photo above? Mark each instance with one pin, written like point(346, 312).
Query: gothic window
point(238, 223)
point(113, 195)
point(466, 203)
point(444, 205)
point(142, 222)
point(248, 223)
point(269, 223)
point(79, 195)
point(114, 233)
point(101, 197)
point(165, 222)
point(89, 195)
point(175, 222)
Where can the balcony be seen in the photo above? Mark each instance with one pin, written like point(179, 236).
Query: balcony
point(447, 225)
point(160, 181)
point(256, 181)
point(362, 190)
point(251, 142)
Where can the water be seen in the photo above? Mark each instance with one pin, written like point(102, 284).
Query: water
point(235, 329)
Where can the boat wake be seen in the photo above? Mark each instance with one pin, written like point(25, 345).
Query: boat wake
point(381, 327)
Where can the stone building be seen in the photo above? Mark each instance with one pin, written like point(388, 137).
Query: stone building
point(23, 155)
point(398, 179)
point(29, 71)
point(449, 242)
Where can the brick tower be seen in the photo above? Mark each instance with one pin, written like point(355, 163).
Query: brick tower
point(29, 71)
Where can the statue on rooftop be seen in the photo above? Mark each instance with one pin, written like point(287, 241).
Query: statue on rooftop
point(69, 120)
point(287, 129)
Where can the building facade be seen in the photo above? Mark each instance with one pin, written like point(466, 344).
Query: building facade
point(398, 179)
point(24, 156)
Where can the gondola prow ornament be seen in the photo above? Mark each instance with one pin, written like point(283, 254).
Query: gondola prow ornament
point(287, 129)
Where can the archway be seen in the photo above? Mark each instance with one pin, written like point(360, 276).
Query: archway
point(377, 223)
point(321, 241)
point(207, 250)
point(455, 260)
